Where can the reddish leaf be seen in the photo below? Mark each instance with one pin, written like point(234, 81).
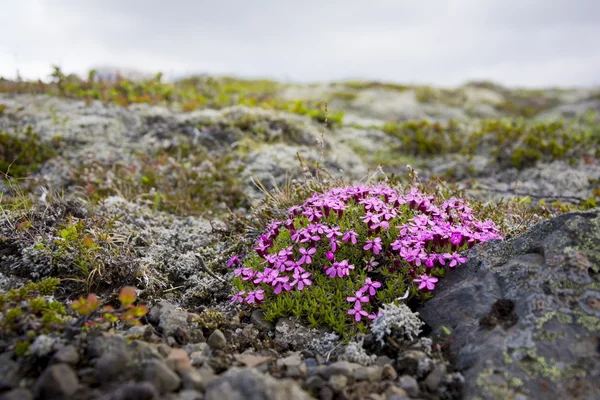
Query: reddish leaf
point(127, 296)
point(92, 301)
point(88, 241)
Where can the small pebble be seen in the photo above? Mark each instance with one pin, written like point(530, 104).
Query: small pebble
point(338, 382)
point(216, 340)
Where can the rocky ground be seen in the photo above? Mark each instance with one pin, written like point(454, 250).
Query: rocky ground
point(141, 196)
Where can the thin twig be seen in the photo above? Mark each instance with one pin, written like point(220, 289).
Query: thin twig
point(207, 270)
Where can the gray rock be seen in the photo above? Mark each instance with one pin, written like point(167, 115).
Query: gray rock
point(326, 393)
point(179, 361)
point(314, 383)
point(242, 384)
point(190, 395)
point(198, 358)
point(192, 380)
point(413, 362)
point(525, 321)
point(58, 381)
point(68, 355)
point(341, 368)
point(410, 385)
point(216, 340)
point(435, 377)
point(168, 317)
point(113, 367)
point(389, 372)
point(395, 392)
point(371, 373)
point(338, 382)
point(9, 372)
point(101, 345)
point(258, 319)
point(17, 394)
point(133, 391)
point(161, 376)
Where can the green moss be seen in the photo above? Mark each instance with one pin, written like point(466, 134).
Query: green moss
point(498, 388)
point(27, 313)
point(536, 366)
point(23, 154)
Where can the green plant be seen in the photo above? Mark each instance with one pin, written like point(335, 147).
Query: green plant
point(363, 245)
point(22, 154)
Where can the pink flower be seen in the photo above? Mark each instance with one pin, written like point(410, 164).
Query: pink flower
point(357, 312)
point(255, 296)
point(358, 298)
point(301, 280)
point(370, 286)
point(426, 282)
point(374, 244)
point(235, 260)
point(350, 236)
point(238, 297)
point(306, 255)
point(456, 238)
point(281, 283)
point(455, 259)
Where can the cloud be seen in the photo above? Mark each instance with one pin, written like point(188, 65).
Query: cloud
point(533, 43)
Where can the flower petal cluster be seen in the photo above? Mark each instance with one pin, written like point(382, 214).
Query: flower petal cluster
point(365, 234)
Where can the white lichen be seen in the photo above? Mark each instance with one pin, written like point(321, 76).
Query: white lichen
point(355, 353)
point(400, 319)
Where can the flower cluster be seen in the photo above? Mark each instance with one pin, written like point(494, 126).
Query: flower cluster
point(369, 236)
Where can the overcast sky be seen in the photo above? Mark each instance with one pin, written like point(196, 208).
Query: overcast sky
point(513, 42)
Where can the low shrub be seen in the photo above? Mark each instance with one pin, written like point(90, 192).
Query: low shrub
point(344, 253)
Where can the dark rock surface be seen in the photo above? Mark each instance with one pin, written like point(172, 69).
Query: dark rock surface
point(524, 313)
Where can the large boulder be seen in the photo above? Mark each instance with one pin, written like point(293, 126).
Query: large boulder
point(525, 313)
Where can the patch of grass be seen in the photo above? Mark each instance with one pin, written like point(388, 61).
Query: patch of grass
point(178, 181)
point(512, 142)
point(21, 154)
point(187, 94)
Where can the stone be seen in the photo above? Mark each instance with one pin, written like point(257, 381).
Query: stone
point(371, 373)
point(314, 383)
point(216, 340)
point(395, 391)
point(58, 381)
point(251, 360)
point(257, 318)
point(9, 372)
point(197, 347)
point(410, 385)
point(17, 394)
point(246, 383)
point(523, 294)
point(132, 391)
point(338, 382)
point(411, 362)
point(435, 377)
point(163, 350)
point(112, 367)
point(192, 380)
point(178, 360)
point(68, 355)
point(190, 395)
point(326, 393)
point(163, 378)
point(389, 372)
point(169, 318)
point(340, 367)
point(198, 358)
